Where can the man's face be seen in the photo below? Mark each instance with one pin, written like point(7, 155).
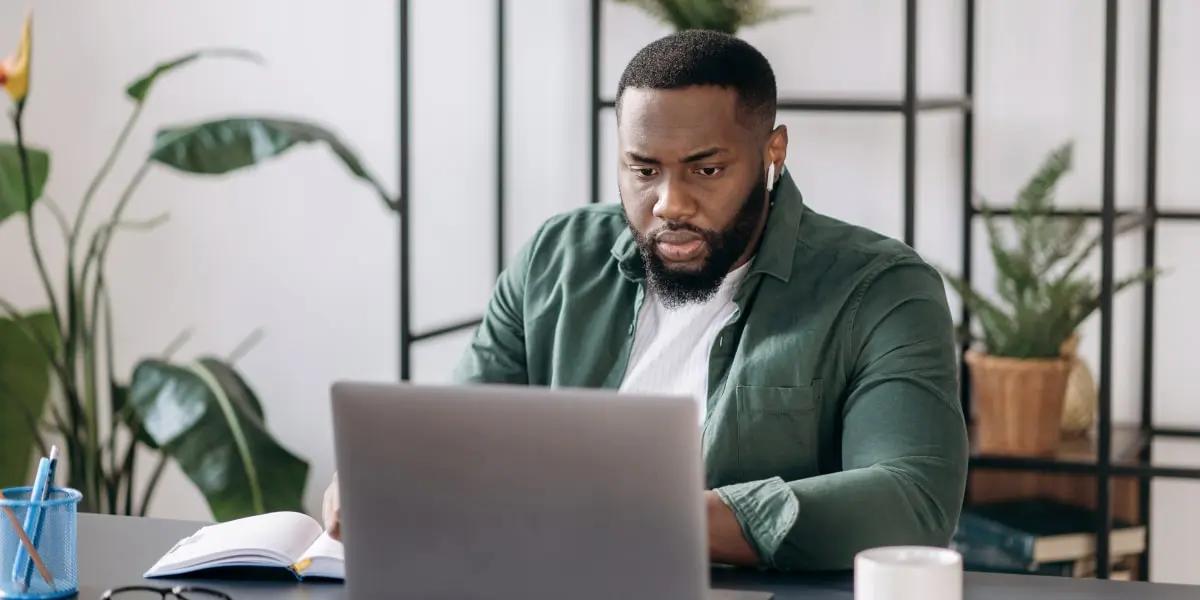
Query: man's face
point(692, 179)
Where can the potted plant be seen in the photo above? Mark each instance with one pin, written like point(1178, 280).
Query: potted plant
point(1025, 350)
point(725, 16)
point(57, 379)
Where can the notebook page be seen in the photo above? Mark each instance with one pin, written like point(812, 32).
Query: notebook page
point(325, 558)
point(272, 538)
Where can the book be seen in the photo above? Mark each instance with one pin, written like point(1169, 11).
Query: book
point(283, 541)
point(1033, 532)
point(987, 560)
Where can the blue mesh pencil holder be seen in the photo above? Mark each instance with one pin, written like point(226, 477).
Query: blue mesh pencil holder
point(52, 569)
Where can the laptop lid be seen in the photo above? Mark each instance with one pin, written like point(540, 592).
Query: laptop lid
point(518, 492)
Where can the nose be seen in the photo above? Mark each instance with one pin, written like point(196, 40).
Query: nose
point(674, 203)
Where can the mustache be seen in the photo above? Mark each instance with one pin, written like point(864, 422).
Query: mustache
point(707, 234)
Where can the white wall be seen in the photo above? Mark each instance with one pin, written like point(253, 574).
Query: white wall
point(273, 249)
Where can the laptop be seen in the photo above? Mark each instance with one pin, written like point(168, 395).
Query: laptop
point(498, 492)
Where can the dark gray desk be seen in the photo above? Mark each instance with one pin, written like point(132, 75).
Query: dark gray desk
point(115, 551)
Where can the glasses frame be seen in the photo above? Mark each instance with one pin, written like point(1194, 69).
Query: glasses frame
point(177, 591)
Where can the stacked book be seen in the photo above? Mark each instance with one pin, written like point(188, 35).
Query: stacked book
point(1044, 537)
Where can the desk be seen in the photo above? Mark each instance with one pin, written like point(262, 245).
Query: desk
point(115, 551)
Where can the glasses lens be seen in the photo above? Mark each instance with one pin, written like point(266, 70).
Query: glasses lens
point(136, 594)
point(198, 593)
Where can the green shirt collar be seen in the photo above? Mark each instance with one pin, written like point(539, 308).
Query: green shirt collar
point(776, 251)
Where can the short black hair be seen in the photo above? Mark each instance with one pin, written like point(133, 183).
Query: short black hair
point(700, 57)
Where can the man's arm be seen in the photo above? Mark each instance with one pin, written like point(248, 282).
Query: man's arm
point(904, 441)
point(497, 350)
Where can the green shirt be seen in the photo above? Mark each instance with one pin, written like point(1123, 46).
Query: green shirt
point(833, 421)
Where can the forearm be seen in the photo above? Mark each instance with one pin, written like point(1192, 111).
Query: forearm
point(820, 523)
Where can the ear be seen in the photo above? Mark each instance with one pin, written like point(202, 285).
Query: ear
point(777, 153)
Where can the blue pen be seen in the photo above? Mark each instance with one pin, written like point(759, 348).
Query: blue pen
point(23, 565)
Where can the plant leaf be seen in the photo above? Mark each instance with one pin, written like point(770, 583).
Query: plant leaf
point(1034, 197)
point(24, 388)
point(138, 90)
point(205, 417)
point(230, 144)
point(1119, 228)
point(997, 326)
point(727, 16)
point(124, 412)
point(12, 184)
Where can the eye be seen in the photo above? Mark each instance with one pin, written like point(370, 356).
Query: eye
point(709, 171)
point(643, 172)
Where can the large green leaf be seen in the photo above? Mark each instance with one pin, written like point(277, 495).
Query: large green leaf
point(24, 388)
point(141, 86)
point(124, 412)
point(12, 184)
point(235, 143)
point(205, 417)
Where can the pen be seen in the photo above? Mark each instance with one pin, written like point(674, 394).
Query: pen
point(37, 495)
point(41, 522)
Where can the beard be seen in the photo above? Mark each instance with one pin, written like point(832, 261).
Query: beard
point(677, 287)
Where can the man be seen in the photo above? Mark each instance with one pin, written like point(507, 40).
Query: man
point(821, 354)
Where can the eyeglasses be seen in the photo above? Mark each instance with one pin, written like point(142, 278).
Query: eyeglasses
point(179, 592)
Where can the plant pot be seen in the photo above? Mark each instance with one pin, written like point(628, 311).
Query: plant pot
point(1079, 399)
point(1018, 403)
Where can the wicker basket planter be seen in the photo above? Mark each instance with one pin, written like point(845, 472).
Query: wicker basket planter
point(1018, 402)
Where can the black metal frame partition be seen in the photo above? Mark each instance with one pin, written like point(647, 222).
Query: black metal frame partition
point(408, 336)
point(1133, 461)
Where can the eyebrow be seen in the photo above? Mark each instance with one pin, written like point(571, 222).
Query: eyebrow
point(693, 157)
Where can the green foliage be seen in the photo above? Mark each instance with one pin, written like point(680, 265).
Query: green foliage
point(206, 417)
point(14, 198)
point(725, 16)
point(138, 90)
point(24, 387)
point(1044, 296)
point(225, 145)
point(57, 374)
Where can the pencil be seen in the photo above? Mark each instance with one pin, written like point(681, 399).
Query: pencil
point(25, 541)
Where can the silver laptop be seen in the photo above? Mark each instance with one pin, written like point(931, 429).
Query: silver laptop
point(498, 492)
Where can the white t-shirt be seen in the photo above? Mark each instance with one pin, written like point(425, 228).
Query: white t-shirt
point(671, 346)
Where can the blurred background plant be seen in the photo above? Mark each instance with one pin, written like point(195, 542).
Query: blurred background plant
point(1026, 365)
point(725, 16)
point(1044, 296)
point(58, 383)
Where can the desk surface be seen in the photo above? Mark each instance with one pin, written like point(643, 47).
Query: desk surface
point(115, 551)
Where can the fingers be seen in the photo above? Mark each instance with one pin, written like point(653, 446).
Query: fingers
point(335, 530)
point(331, 506)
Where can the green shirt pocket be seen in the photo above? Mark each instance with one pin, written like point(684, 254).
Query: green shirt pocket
point(778, 429)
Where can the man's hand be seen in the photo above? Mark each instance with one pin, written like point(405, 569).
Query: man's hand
point(330, 512)
point(726, 543)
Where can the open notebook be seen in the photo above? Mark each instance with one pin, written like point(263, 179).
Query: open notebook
point(289, 541)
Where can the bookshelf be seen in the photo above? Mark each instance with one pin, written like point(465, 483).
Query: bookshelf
point(1117, 459)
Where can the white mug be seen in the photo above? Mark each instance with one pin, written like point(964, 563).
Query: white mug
point(908, 573)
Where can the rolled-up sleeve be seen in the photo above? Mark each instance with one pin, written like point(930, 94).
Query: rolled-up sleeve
point(904, 442)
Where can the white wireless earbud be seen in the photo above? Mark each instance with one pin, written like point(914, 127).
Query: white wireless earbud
point(771, 177)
